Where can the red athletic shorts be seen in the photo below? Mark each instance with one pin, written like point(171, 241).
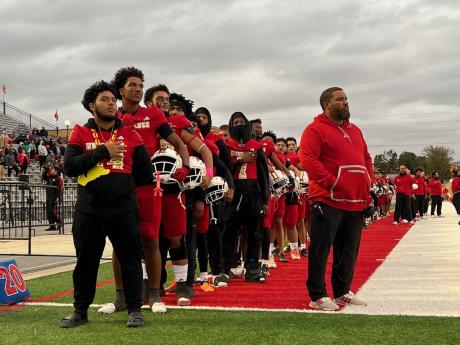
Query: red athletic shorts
point(291, 216)
point(280, 207)
point(268, 217)
point(173, 215)
point(149, 212)
point(202, 223)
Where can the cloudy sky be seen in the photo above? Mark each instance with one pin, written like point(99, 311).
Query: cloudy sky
point(398, 61)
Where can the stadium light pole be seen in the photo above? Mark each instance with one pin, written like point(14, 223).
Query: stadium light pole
point(67, 124)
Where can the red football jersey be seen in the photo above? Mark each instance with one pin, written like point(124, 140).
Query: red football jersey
point(246, 171)
point(146, 121)
point(88, 139)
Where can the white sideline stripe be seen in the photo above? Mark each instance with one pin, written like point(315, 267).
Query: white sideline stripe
point(421, 275)
point(350, 309)
point(308, 311)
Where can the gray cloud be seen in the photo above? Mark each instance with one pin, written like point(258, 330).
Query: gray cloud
point(266, 58)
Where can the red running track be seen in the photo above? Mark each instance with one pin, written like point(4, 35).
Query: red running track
point(286, 289)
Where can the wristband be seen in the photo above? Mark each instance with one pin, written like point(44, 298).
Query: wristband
point(210, 172)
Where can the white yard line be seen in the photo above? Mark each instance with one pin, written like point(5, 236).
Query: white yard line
point(421, 276)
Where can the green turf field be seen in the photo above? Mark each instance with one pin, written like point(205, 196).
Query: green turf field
point(39, 325)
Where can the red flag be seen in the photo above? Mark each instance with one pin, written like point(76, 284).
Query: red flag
point(56, 115)
point(4, 89)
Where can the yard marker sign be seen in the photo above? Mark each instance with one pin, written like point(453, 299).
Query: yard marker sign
point(13, 288)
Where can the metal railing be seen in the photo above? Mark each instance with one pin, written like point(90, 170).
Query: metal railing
point(28, 208)
point(24, 117)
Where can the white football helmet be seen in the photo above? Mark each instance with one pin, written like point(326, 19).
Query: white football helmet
point(414, 186)
point(302, 179)
point(195, 176)
point(166, 162)
point(279, 183)
point(216, 190)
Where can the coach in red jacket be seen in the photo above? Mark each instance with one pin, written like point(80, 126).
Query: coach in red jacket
point(335, 156)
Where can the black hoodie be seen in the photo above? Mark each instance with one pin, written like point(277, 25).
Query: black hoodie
point(113, 191)
point(262, 183)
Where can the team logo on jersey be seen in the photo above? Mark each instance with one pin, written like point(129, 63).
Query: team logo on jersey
point(143, 124)
point(90, 146)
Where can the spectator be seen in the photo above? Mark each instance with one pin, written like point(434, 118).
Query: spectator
point(24, 161)
point(2, 166)
point(42, 152)
point(43, 133)
point(3, 142)
point(10, 163)
point(51, 160)
point(54, 185)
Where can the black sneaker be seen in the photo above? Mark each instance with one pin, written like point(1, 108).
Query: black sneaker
point(221, 280)
point(283, 257)
point(304, 252)
point(74, 319)
point(276, 251)
point(183, 297)
point(135, 319)
point(287, 249)
point(255, 276)
point(264, 271)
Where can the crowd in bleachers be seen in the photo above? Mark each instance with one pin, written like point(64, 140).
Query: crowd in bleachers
point(38, 146)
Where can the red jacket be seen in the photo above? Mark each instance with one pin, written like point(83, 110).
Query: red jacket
point(435, 186)
point(23, 158)
point(456, 184)
point(404, 184)
point(420, 181)
point(338, 164)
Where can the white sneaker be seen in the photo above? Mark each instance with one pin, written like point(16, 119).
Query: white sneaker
point(271, 261)
point(324, 304)
point(412, 222)
point(158, 308)
point(108, 308)
point(351, 299)
point(404, 221)
point(395, 223)
point(238, 271)
point(434, 216)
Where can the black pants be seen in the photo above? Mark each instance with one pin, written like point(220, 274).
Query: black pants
point(413, 208)
point(24, 168)
point(246, 212)
point(420, 204)
point(52, 211)
point(190, 244)
point(342, 230)
point(89, 233)
point(436, 204)
point(11, 168)
point(214, 240)
point(456, 202)
point(402, 208)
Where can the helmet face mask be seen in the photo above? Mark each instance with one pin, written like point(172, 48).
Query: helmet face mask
point(196, 174)
point(216, 190)
point(279, 183)
point(302, 186)
point(165, 162)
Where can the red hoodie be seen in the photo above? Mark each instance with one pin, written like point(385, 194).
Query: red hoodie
point(338, 164)
point(456, 184)
point(404, 184)
point(435, 186)
point(420, 181)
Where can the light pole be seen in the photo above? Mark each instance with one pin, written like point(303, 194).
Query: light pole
point(67, 124)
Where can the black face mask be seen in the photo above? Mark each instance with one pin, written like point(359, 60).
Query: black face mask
point(240, 130)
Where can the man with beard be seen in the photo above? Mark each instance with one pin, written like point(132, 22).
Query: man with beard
point(110, 161)
point(151, 124)
point(250, 202)
point(335, 156)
